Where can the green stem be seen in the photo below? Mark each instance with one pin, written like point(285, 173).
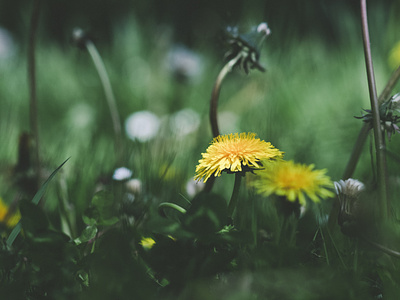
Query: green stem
point(362, 136)
point(170, 205)
point(359, 144)
point(235, 194)
point(33, 111)
point(112, 103)
point(378, 136)
point(214, 106)
point(216, 91)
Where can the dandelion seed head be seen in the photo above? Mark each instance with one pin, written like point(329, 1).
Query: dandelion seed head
point(142, 126)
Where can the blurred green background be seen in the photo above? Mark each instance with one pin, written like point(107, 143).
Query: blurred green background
point(304, 103)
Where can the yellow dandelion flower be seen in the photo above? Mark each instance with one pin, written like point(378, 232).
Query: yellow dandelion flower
point(394, 56)
point(147, 243)
point(7, 218)
point(235, 153)
point(293, 181)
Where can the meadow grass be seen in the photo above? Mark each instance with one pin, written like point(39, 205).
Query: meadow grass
point(304, 104)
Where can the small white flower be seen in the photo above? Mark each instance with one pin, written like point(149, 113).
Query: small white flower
point(263, 27)
point(122, 174)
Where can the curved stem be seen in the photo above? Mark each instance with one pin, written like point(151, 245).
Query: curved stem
point(215, 93)
point(112, 103)
point(379, 142)
point(235, 194)
point(32, 86)
point(161, 207)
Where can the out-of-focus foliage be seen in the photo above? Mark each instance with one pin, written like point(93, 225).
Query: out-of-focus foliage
point(84, 240)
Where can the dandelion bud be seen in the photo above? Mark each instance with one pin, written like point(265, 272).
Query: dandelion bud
point(79, 38)
point(348, 193)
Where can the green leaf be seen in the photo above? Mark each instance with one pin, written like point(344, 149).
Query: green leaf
point(87, 234)
point(13, 235)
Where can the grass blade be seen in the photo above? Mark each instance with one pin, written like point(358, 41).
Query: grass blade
point(17, 229)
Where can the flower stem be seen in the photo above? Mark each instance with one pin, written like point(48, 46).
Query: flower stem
point(214, 105)
point(215, 93)
point(359, 144)
point(161, 207)
point(32, 87)
point(112, 103)
point(362, 136)
point(378, 136)
point(235, 194)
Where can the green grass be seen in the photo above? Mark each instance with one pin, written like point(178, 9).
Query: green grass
point(304, 104)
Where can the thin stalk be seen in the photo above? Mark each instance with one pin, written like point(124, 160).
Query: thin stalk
point(383, 248)
point(360, 141)
point(214, 106)
point(33, 111)
point(112, 103)
point(67, 211)
point(216, 91)
point(324, 244)
point(362, 136)
point(378, 136)
point(235, 194)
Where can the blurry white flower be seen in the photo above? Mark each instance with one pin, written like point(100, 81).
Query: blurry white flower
point(263, 27)
point(142, 126)
point(193, 187)
point(184, 63)
point(134, 186)
point(7, 45)
point(80, 116)
point(122, 174)
point(184, 122)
